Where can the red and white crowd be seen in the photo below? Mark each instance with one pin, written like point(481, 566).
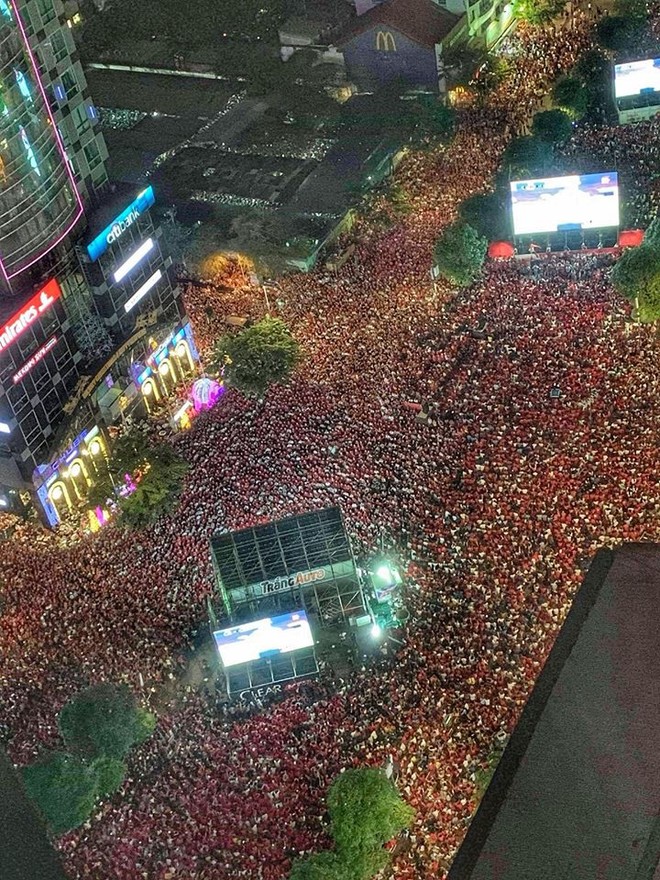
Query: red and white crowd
point(539, 448)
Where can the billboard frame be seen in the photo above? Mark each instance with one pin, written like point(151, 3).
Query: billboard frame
point(275, 567)
point(569, 230)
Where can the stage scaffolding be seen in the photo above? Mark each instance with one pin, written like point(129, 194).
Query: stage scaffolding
point(302, 561)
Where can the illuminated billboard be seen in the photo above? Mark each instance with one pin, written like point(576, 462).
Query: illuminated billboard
point(263, 638)
point(143, 290)
point(562, 204)
point(29, 313)
point(121, 223)
point(637, 78)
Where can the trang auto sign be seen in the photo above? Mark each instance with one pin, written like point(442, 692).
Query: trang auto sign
point(31, 312)
point(290, 582)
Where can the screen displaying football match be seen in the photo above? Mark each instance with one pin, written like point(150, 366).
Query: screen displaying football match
point(637, 78)
point(263, 638)
point(562, 204)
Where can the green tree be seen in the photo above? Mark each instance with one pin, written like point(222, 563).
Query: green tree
point(156, 471)
point(620, 33)
point(636, 275)
point(104, 720)
point(538, 12)
point(111, 773)
point(257, 356)
point(553, 126)
point(459, 64)
point(323, 866)
point(527, 156)
point(486, 212)
point(430, 119)
point(460, 253)
point(490, 73)
point(570, 94)
point(158, 485)
point(366, 811)
point(64, 788)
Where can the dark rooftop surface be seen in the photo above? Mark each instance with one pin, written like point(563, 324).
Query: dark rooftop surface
point(423, 21)
point(577, 792)
point(25, 852)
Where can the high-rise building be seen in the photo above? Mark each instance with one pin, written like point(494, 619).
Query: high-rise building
point(51, 40)
point(91, 320)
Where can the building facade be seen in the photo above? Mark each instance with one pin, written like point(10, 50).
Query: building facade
point(396, 40)
point(51, 38)
point(91, 317)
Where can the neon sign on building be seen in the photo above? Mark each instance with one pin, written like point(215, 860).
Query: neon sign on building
point(99, 245)
point(36, 357)
point(31, 312)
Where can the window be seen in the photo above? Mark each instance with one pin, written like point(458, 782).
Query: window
point(59, 46)
point(385, 42)
point(70, 84)
point(46, 10)
point(29, 27)
point(92, 155)
point(80, 119)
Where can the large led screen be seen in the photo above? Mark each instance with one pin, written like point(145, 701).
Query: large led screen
point(263, 638)
point(637, 78)
point(560, 204)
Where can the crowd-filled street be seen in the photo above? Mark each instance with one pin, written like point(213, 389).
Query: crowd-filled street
point(494, 508)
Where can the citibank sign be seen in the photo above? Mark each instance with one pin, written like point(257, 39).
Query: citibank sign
point(31, 312)
point(120, 224)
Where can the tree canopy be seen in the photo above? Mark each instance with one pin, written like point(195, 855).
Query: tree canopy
point(636, 275)
point(104, 720)
point(257, 356)
point(553, 126)
point(99, 726)
point(538, 12)
point(570, 95)
point(366, 811)
point(323, 866)
point(155, 472)
point(486, 212)
point(460, 253)
point(620, 33)
point(64, 788)
point(527, 156)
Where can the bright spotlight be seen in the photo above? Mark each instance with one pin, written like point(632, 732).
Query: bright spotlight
point(376, 631)
point(384, 573)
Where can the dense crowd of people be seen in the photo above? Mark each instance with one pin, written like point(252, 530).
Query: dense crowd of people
point(541, 449)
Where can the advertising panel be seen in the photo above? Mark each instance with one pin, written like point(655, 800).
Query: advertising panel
point(561, 204)
point(36, 357)
point(637, 78)
point(263, 638)
point(121, 223)
point(29, 313)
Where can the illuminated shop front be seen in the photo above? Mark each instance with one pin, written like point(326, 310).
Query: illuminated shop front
point(63, 485)
point(170, 363)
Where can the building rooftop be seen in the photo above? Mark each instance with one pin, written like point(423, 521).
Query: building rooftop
point(576, 793)
point(420, 20)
